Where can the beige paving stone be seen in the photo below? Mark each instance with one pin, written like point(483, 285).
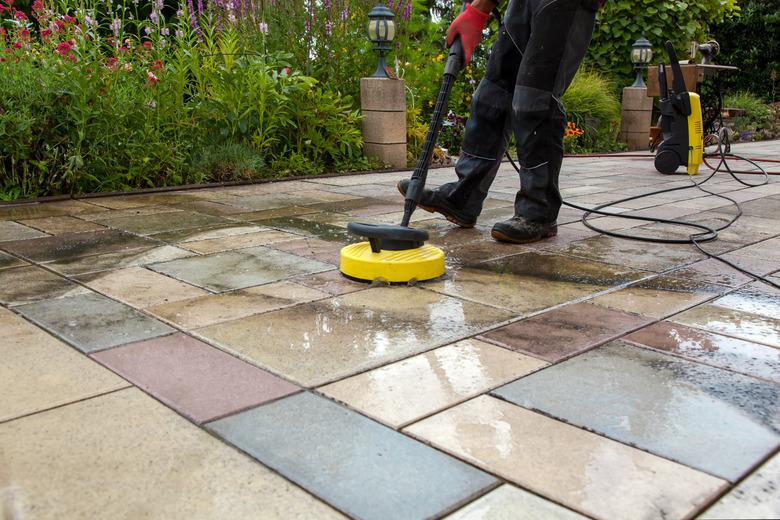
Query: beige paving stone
point(511, 503)
point(92, 264)
point(38, 372)
point(44, 209)
point(206, 233)
point(124, 455)
point(10, 230)
point(581, 470)
point(141, 287)
point(659, 297)
point(99, 214)
point(408, 390)
point(323, 341)
point(766, 250)
point(61, 225)
point(332, 282)
point(758, 496)
point(259, 238)
point(532, 281)
point(8, 261)
point(216, 308)
point(733, 322)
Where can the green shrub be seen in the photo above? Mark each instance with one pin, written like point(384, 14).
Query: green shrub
point(751, 41)
point(621, 22)
point(757, 116)
point(593, 107)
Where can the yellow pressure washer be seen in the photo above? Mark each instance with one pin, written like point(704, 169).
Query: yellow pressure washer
point(681, 122)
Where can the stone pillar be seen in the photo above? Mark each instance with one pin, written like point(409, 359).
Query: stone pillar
point(635, 118)
point(383, 102)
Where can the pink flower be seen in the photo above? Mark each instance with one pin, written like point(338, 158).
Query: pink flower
point(20, 16)
point(147, 44)
point(151, 79)
point(46, 33)
point(64, 48)
point(38, 6)
point(17, 45)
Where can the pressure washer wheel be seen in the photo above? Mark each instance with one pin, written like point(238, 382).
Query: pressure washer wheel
point(392, 253)
point(667, 162)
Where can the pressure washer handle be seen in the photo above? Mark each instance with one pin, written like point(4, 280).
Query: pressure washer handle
point(455, 58)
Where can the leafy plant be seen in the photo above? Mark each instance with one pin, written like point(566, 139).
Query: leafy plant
point(757, 117)
point(593, 107)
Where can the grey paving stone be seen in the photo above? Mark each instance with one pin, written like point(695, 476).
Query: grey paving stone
point(361, 467)
point(239, 269)
point(92, 322)
point(707, 418)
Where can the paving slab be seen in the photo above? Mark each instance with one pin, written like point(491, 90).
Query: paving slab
point(320, 250)
point(659, 297)
point(756, 298)
point(206, 232)
point(326, 340)
point(712, 271)
point(731, 322)
point(93, 322)
point(310, 228)
point(669, 406)
point(583, 471)
point(198, 380)
point(532, 281)
point(140, 287)
point(758, 496)
point(567, 331)
point(39, 372)
point(259, 238)
point(74, 245)
point(99, 263)
point(217, 308)
point(7, 261)
point(124, 455)
point(159, 222)
point(361, 467)
point(509, 503)
point(20, 285)
point(331, 282)
point(10, 230)
point(239, 269)
point(47, 209)
point(62, 225)
point(408, 390)
point(638, 255)
point(712, 349)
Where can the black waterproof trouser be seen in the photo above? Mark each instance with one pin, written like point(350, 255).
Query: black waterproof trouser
point(538, 51)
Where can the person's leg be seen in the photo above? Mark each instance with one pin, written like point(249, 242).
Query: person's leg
point(561, 32)
point(488, 127)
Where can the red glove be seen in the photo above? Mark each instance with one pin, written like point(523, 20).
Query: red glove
point(468, 25)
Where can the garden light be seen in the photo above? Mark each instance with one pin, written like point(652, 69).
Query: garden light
point(641, 56)
point(381, 31)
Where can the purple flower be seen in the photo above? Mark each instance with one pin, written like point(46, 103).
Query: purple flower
point(263, 28)
point(148, 30)
point(328, 28)
point(154, 17)
point(116, 26)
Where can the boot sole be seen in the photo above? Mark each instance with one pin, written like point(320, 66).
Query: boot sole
point(430, 209)
point(506, 238)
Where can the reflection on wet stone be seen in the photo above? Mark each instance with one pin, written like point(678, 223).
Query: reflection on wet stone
point(301, 226)
point(672, 407)
point(75, 245)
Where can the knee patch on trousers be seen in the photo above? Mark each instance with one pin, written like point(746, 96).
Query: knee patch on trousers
point(490, 108)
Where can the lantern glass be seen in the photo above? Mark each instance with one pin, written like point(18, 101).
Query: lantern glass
point(381, 30)
point(641, 52)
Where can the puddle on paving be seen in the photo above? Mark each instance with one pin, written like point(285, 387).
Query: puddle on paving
point(736, 323)
point(91, 264)
point(322, 231)
point(672, 407)
point(720, 351)
point(318, 342)
point(756, 298)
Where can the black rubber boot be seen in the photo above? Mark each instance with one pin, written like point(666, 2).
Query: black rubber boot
point(433, 202)
point(519, 230)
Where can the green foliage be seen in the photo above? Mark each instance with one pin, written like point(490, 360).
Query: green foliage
point(757, 116)
point(752, 43)
point(85, 110)
point(591, 104)
point(621, 22)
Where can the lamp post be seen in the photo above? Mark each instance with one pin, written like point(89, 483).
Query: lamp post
point(641, 56)
point(381, 32)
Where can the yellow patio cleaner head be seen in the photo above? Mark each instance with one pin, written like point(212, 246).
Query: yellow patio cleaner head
point(681, 122)
point(399, 253)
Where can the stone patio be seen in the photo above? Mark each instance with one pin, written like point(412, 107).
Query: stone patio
point(196, 354)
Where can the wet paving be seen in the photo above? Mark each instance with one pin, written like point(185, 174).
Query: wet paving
point(147, 336)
